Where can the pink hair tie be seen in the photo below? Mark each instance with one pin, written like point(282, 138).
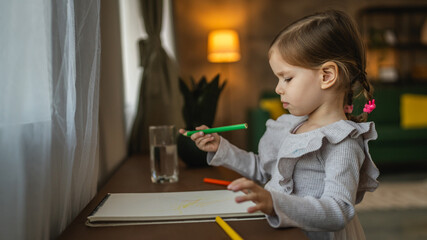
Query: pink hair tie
point(370, 106)
point(348, 108)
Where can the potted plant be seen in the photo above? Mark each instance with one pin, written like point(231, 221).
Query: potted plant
point(200, 103)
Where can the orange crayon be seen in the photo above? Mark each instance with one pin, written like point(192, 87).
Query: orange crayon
point(216, 181)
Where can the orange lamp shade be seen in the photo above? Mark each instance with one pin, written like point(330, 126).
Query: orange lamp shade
point(223, 46)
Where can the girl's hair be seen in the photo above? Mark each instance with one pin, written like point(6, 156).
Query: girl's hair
point(328, 36)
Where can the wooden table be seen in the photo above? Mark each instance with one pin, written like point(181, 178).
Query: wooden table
point(134, 177)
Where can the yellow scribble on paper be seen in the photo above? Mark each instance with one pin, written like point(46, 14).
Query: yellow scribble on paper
point(191, 203)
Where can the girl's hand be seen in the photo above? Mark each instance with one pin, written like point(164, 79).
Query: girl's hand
point(207, 143)
point(255, 193)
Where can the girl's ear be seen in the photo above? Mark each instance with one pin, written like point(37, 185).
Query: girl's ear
point(329, 71)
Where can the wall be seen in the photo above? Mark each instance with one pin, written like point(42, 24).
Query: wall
point(257, 22)
point(112, 142)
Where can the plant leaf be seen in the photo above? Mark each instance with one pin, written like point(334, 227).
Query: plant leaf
point(201, 101)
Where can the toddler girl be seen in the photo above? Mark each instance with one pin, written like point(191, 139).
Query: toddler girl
point(314, 163)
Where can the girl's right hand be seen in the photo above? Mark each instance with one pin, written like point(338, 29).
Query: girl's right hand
point(208, 142)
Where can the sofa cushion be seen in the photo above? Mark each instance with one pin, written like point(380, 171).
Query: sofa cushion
point(413, 111)
point(396, 133)
point(273, 106)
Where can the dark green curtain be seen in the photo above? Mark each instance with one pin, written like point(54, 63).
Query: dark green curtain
point(155, 104)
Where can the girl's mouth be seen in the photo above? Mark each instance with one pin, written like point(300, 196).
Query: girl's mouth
point(285, 104)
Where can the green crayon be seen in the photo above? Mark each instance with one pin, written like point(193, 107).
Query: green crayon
point(219, 129)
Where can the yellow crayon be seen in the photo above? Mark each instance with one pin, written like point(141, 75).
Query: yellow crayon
point(227, 229)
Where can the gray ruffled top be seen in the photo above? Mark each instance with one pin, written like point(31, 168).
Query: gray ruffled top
point(315, 178)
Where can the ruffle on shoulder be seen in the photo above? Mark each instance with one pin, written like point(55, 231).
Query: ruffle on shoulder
point(271, 141)
point(297, 145)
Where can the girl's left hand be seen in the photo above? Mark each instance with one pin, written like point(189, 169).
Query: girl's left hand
point(255, 193)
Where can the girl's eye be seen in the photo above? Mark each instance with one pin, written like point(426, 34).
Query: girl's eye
point(287, 79)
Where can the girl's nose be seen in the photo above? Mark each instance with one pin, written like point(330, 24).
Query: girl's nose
point(279, 89)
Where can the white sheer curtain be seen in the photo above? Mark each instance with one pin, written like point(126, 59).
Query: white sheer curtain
point(49, 83)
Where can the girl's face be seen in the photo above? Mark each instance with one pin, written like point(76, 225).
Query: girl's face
point(299, 88)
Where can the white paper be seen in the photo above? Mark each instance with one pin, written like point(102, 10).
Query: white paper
point(171, 206)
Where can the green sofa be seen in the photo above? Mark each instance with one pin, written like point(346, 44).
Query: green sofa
point(395, 145)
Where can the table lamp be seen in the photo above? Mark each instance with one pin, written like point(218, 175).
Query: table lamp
point(223, 46)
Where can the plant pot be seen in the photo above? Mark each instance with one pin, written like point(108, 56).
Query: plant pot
point(190, 154)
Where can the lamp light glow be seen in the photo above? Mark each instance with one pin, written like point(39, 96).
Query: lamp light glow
point(223, 46)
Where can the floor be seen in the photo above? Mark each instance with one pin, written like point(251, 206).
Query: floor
point(398, 208)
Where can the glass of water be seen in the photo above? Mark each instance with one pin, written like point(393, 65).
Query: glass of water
point(163, 154)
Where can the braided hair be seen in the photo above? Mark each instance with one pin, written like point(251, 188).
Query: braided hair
point(361, 85)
